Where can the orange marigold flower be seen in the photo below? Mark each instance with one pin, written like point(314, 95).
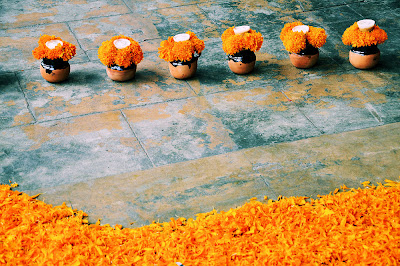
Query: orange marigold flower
point(294, 42)
point(356, 38)
point(64, 51)
point(232, 43)
point(287, 29)
point(170, 50)
point(352, 227)
point(110, 55)
point(316, 37)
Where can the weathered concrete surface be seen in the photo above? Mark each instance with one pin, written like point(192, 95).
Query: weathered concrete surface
point(157, 147)
point(307, 167)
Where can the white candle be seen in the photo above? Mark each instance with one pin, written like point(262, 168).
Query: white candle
point(241, 29)
point(366, 24)
point(301, 28)
point(181, 37)
point(53, 44)
point(121, 43)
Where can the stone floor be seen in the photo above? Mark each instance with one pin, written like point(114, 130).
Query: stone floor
point(156, 147)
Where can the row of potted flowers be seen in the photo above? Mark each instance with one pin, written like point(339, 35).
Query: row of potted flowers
point(122, 54)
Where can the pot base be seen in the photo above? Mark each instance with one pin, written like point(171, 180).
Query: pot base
point(56, 75)
point(361, 61)
point(304, 61)
point(183, 71)
point(121, 75)
point(240, 67)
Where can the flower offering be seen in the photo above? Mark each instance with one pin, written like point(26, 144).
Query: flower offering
point(182, 52)
point(55, 54)
point(364, 37)
point(121, 55)
point(240, 43)
point(302, 43)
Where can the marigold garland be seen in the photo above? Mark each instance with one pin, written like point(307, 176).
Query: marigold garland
point(294, 42)
point(353, 227)
point(170, 50)
point(356, 38)
point(65, 51)
point(110, 55)
point(232, 43)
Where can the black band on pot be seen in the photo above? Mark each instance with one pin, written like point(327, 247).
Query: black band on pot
point(121, 68)
point(365, 50)
point(309, 50)
point(53, 64)
point(244, 56)
point(184, 63)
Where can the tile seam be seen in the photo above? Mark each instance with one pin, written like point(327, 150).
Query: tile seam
point(105, 111)
point(303, 114)
point(322, 8)
point(140, 142)
point(253, 167)
point(28, 106)
point(79, 43)
point(129, 8)
point(191, 88)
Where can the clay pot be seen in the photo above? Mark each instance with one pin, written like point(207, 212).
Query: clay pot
point(54, 70)
point(118, 73)
point(240, 67)
point(183, 70)
point(364, 57)
point(242, 63)
point(304, 60)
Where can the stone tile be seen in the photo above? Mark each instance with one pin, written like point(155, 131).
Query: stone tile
point(260, 116)
point(213, 73)
point(69, 151)
point(92, 33)
point(159, 4)
point(385, 13)
point(260, 15)
point(29, 12)
point(335, 103)
point(179, 190)
point(82, 146)
point(89, 90)
point(13, 107)
point(16, 46)
point(273, 68)
point(383, 90)
point(308, 5)
point(319, 18)
point(172, 21)
point(179, 131)
point(391, 3)
point(266, 18)
point(319, 165)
